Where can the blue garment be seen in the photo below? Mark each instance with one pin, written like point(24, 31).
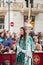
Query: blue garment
point(21, 56)
point(30, 41)
point(1, 40)
point(8, 42)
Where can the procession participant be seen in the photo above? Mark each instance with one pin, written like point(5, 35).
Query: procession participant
point(23, 53)
point(21, 45)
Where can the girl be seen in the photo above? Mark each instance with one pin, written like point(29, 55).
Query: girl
point(23, 49)
point(21, 45)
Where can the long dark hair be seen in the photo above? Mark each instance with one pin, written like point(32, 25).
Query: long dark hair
point(24, 33)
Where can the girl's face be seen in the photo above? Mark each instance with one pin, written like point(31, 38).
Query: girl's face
point(21, 32)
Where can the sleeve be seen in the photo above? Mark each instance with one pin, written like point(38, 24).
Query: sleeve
point(30, 41)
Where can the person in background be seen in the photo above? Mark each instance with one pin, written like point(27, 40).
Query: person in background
point(5, 36)
point(35, 39)
point(41, 41)
point(37, 46)
point(7, 50)
point(6, 62)
point(8, 41)
point(39, 35)
point(1, 37)
point(13, 36)
point(1, 48)
point(14, 48)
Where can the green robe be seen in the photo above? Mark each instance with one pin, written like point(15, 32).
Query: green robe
point(30, 41)
point(21, 55)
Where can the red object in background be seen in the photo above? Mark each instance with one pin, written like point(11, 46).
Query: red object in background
point(10, 57)
point(11, 24)
point(37, 58)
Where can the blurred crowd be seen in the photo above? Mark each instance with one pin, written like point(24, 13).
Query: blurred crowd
point(14, 43)
point(8, 41)
point(38, 40)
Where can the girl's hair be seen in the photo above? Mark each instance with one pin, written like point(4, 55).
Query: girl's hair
point(24, 33)
point(5, 36)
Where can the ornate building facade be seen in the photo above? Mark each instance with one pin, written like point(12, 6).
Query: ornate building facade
point(14, 12)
